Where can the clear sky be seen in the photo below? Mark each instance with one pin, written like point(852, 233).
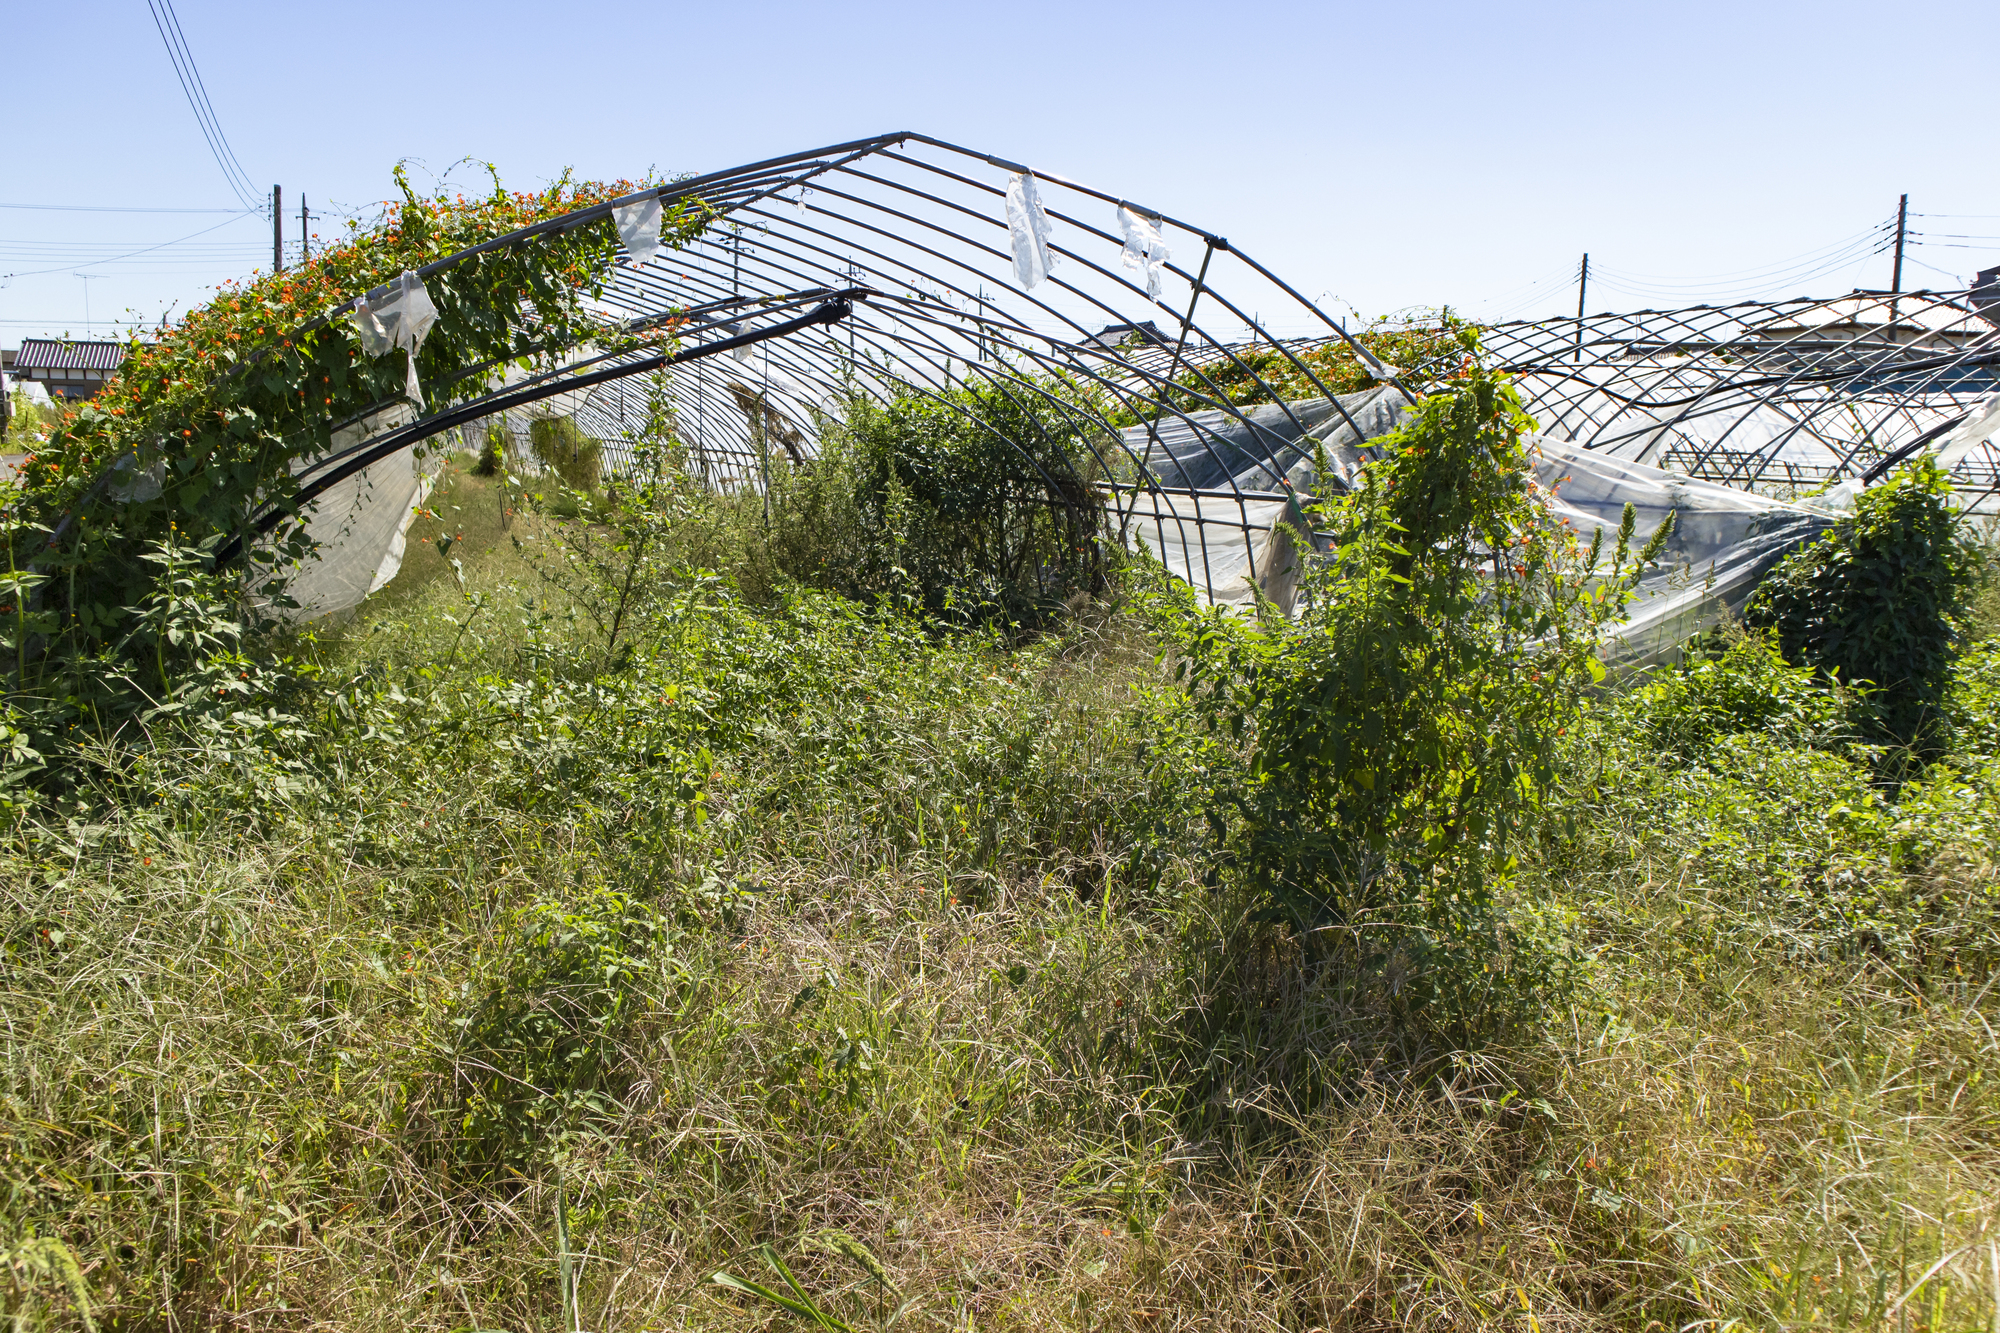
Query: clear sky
point(1382, 155)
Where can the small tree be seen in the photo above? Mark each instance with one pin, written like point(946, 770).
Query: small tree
point(1403, 730)
point(977, 503)
point(1879, 599)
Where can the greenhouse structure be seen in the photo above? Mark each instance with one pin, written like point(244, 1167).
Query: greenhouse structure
point(1204, 391)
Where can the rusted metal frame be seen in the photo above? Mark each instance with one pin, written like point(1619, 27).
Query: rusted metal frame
point(566, 381)
point(1862, 357)
point(937, 347)
point(1805, 373)
point(1214, 243)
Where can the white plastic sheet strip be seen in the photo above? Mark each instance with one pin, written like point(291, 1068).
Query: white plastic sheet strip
point(1028, 229)
point(1724, 542)
point(638, 222)
point(1144, 252)
point(400, 317)
point(1969, 434)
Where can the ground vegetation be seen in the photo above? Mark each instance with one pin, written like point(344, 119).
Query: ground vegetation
point(626, 922)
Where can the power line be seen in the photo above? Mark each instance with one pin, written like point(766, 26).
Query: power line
point(169, 27)
point(93, 263)
point(120, 208)
point(201, 89)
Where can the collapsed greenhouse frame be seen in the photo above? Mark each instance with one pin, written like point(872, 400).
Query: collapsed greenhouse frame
point(905, 264)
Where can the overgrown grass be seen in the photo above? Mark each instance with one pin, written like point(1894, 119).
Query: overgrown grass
point(803, 917)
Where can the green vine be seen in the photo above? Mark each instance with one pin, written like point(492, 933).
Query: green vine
point(205, 427)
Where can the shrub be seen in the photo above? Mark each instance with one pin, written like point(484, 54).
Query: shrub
point(975, 506)
point(1880, 598)
point(1404, 729)
point(562, 446)
point(538, 1051)
point(1732, 683)
point(493, 450)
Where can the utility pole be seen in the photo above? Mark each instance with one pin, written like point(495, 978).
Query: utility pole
point(1902, 221)
point(305, 232)
point(277, 229)
point(1582, 285)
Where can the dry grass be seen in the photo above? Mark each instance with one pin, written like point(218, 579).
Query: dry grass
point(910, 980)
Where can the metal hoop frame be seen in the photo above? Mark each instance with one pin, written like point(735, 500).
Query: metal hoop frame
point(883, 266)
point(1773, 395)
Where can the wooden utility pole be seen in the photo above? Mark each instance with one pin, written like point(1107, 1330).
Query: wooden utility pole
point(1582, 285)
point(277, 229)
point(305, 232)
point(1902, 222)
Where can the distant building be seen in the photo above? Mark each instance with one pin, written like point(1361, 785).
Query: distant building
point(67, 370)
point(1986, 293)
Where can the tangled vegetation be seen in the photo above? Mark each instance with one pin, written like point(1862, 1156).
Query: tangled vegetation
point(199, 430)
point(640, 918)
point(1287, 372)
point(1878, 601)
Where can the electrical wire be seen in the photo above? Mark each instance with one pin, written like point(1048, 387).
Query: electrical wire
point(122, 208)
point(201, 89)
point(1511, 301)
point(144, 250)
point(1804, 258)
point(1752, 281)
point(169, 27)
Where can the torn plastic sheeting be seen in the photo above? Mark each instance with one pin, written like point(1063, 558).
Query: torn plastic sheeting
point(1725, 541)
point(359, 527)
point(399, 314)
point(638, 221)
point(734, 330)
point(1259, 448)
point(1975, 430)
point(1144, 251)
point(1028, 229)
point(1723, 544)
point(1206, 540)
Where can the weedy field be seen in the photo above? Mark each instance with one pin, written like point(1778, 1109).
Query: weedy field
point(624, 900)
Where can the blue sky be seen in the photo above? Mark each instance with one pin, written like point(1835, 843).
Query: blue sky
point(1384, 156)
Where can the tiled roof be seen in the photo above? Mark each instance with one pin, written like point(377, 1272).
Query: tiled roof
point(54, 354)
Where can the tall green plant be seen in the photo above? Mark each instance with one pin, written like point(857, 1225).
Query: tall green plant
point(560, 444)
point(977, 504)
point(1880, 599)
point(1403, 730)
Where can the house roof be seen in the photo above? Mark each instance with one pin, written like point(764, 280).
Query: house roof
point(56, 354)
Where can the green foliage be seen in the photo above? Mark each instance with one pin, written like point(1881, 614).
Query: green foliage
point(493, 449)
point(1733, 683)
point(1404, 729)
point(29, 423)
point(562, 446)
point(1880, 599)
point(537, 1057)
point(570, 927)
point(1265, 373)
point(1972, 701)
point(202, 429)
point(795, 1299)
point(976, 505)
point(522, 978)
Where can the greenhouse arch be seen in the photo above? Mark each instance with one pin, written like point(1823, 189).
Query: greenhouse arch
point(1202, 384)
